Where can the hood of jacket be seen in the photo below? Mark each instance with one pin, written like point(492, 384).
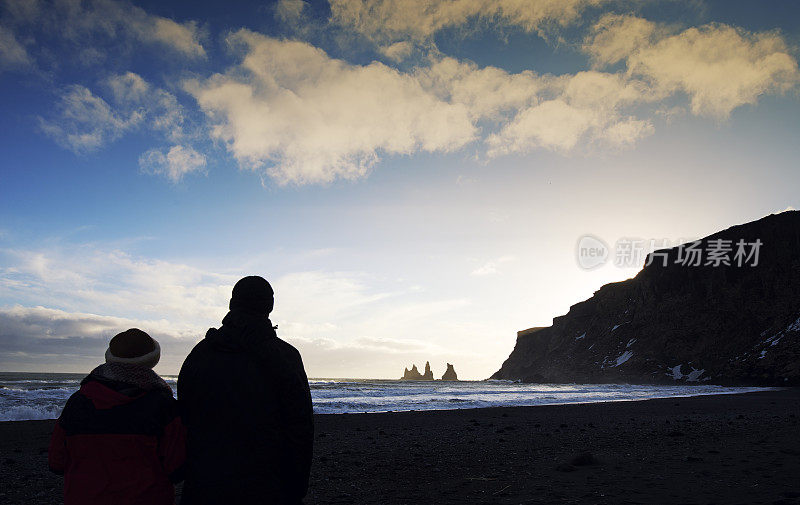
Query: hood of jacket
point(242, 331)
point(105, 395)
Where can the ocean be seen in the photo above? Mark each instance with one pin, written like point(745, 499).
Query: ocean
point(26, 396)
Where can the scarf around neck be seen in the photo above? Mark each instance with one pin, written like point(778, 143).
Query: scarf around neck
point(135, 375)
point(245, 330)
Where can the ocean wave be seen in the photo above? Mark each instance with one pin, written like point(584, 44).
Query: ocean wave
point(28, 413)
point(36, 397)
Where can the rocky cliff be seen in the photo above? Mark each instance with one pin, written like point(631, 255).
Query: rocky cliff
point(678, 321)
point(450, 374)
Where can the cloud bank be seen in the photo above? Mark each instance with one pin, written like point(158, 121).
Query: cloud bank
point(68, 301)
point(45, 338)
point(308, 118)
point(719, 67)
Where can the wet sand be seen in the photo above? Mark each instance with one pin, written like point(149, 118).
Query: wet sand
point(723, 449)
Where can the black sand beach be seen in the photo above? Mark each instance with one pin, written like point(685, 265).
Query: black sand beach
point(725, 449)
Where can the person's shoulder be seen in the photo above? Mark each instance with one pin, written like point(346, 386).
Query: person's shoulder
point(199, 353)
point(163, 403)
point(75, 398)
point(204, 345)
point(287, 352)
point(286, 347)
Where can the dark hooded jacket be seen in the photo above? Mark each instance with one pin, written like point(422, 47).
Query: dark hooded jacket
point(118, 444)
point(246, 404)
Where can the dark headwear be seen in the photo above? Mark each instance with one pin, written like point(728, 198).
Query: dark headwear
point(253, 295)
point(134, 347)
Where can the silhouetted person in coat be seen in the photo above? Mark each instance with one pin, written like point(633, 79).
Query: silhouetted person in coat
point(246, 404)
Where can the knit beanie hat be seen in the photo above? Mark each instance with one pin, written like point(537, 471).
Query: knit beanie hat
point(133, 347)
point(254, 295)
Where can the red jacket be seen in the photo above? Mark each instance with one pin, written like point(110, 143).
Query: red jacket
point(117, 444)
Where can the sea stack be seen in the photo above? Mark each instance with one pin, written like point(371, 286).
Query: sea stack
point(414, 375)
point(450, 374)
point(411, 375)
point(428, 375)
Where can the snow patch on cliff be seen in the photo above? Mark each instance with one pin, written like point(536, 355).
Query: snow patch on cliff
point(693, 376)
point(622, 358)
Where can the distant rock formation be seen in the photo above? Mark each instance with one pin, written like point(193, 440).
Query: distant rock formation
point(682, 323)
point(450, 374)
point(414, 375)
point(411, 375)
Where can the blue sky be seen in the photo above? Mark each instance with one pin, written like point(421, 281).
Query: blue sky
point(412, 177)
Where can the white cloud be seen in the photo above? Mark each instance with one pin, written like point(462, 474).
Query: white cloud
point(48, 339)
point(12, 53)
point(393, 344)
point(625, 132)
point(84, 122)
point(179, 161)
point(180, 37)
point(587, 106)
point(487, 92)
point(306, 117)
point(553, 124)
point(491, 267)
point(289, 11)
point(398, 51)
point(718, 66)
point(128, 88)
point(109, 19)
point(420, 19)
point(159, 108)
point(602, 91)
point(103, 281)
point(615, 37)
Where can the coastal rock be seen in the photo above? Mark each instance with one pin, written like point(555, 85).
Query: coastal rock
point(450, 374)
point(414, 374)
point(674, 323)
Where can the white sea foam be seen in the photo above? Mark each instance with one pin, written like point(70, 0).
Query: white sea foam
point(25, 413)
point(23, 398)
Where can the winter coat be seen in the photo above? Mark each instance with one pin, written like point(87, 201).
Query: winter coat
point(245, 400)
point(118, 444)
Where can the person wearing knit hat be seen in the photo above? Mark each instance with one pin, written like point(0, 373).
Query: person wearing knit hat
point(133, 347)
point(246, 403)
point(253, 295)
point(132, 419)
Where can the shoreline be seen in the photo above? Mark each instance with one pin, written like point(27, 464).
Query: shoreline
point(721, 448)
point(436, 396)
point(761, 389)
